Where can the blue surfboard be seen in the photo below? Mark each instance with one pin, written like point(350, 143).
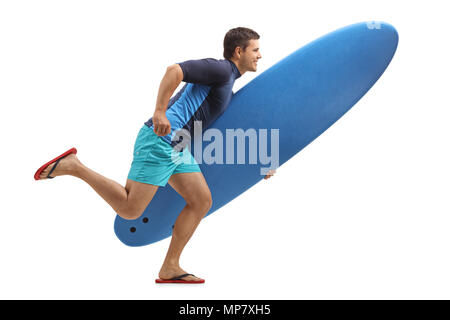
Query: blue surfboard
point(300, 96)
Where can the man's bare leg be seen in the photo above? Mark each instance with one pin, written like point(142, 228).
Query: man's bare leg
point(194, 189)
point(129, 202)
point(191, 186)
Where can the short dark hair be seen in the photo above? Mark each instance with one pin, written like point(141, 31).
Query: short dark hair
point(237, 37)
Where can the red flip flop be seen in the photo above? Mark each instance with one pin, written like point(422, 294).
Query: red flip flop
point(179, 279)
point(57, 159)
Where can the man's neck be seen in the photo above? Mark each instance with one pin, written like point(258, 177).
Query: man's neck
point(241, 70)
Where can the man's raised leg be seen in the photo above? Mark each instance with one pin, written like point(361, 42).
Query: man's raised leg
point(129, 202)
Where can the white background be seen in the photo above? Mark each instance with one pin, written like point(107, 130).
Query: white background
point(362, 212)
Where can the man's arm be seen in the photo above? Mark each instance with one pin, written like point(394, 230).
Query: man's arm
point(169, 83)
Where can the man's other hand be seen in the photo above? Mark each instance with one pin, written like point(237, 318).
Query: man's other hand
point(269, 174)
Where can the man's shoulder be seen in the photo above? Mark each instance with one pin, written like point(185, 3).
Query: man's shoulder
point(206, 71)
point(219, 63)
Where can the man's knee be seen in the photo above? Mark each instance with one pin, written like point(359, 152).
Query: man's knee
point(202, 202)
point(139, 197)
point(130, 213)
point(208, 202)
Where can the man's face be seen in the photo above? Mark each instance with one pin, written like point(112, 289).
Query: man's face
point(251, 55)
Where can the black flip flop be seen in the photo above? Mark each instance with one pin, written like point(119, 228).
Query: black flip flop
point(178, 279)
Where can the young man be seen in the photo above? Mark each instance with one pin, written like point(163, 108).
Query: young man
point(204, 97)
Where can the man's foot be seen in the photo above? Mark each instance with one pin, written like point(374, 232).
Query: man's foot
point(67, 165)
point(167, 273)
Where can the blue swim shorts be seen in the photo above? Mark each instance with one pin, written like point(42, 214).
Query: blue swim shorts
point(155, 160)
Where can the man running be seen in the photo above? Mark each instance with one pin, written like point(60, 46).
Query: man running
point(204, 97)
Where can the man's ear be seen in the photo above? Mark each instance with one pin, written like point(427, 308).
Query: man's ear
point(238, 51)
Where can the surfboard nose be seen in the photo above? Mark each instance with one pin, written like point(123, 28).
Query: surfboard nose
point(388, 31)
